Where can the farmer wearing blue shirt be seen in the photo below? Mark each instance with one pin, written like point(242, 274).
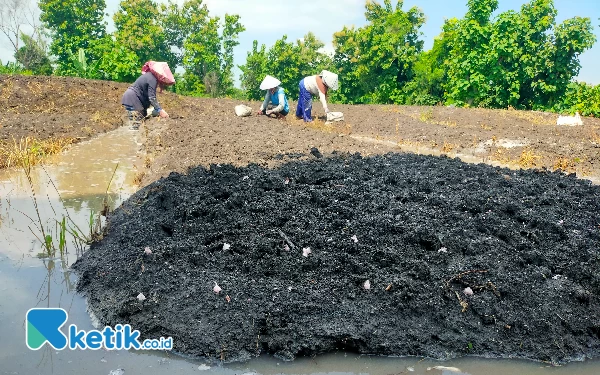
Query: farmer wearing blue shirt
point(276, 96)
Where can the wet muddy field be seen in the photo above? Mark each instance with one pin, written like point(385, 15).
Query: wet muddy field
point(405, 254)
point(397, 255)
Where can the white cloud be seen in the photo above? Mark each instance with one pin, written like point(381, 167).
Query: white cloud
point(281, 17)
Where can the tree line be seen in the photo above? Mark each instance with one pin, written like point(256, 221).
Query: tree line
point(523, 59)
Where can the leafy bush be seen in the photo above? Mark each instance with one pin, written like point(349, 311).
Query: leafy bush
point(580, 97)
point(11, 67)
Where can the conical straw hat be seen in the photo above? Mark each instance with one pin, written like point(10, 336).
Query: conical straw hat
point(269, 83)
point(330, 79)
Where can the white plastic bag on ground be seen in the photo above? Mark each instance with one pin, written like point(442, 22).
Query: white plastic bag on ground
point(570, 120)
point(243, 110)
point(335, 116)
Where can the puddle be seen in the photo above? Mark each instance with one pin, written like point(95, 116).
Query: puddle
point(425, 150)
point(483, 147)
point(76, 184)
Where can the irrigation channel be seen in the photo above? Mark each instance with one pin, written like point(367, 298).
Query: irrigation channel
point(75, 187)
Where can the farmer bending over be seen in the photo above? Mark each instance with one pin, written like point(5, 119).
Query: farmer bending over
point(276, 95)
point(142, 94)
point(315, 85)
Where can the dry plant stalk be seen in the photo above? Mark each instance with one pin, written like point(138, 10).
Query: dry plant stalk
point(34, 150)
point(528, 159)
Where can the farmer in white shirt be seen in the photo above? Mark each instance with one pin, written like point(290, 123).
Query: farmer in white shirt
point(318, 86)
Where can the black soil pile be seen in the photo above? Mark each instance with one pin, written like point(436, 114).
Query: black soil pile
point(409, 255)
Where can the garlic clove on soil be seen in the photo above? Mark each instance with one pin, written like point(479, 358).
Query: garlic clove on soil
point(468, 291)
point(141, 297)
point(306, 251)
point(354, 238)
point(367, 285)
point(226, 246)
point(147, 251)
point(217, 289)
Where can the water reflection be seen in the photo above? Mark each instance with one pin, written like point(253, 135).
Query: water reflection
point(75, 187)
point(57, 272)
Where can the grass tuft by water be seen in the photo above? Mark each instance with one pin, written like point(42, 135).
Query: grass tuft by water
point(34, 150)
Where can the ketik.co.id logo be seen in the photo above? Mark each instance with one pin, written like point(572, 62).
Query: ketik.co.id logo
point(43, 326)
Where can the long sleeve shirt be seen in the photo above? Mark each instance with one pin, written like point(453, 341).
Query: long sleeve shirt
point(142, 93)
point(278, 99)
point(312, 85)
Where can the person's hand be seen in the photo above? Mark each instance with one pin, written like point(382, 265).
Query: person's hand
point(269, 112)
point(259, 112)
point(163, 113)
point(326, 110)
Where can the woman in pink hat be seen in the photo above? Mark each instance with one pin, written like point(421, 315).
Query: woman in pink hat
point(142, 93)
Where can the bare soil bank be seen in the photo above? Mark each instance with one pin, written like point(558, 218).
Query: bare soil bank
point(203, 131)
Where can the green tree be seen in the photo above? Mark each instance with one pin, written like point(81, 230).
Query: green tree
point(570, 39)
point(202, 53)
point(520, 59)
point(231, 31)
point(32, 56)
point(118, 63)
point(580, 97)
point(139, 28)
point(467, 74)
point(81, 66)
point(430, 74)
point(254, 71)
point(284, 64)
point(346, 62)
point(312, 59)
point(179, 22)
point(377, 60)
point(287, 61)
point(208, 55)
point(73, 24)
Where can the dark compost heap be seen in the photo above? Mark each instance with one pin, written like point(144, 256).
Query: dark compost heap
point(461, 259)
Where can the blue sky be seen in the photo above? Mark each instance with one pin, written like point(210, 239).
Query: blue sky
point(269, 20)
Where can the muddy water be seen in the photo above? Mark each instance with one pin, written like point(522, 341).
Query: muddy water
point(73, 186)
